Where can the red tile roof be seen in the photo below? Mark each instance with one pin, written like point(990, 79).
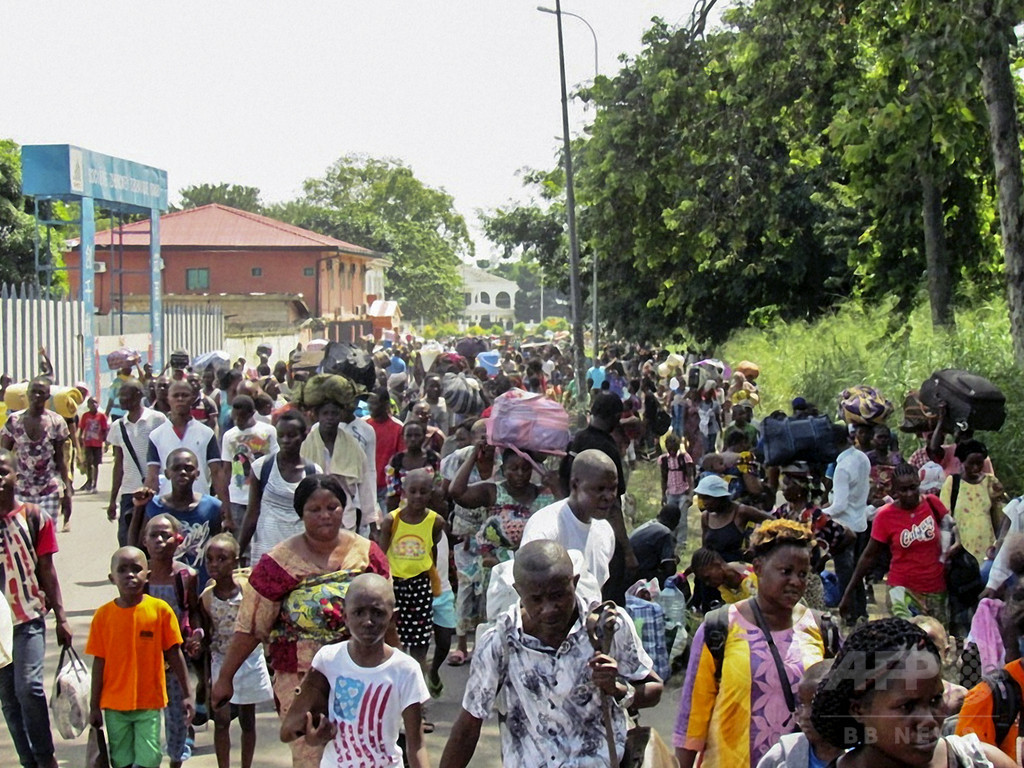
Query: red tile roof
point(218, 226)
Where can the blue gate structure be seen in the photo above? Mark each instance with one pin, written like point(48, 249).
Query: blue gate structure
point(72, 174)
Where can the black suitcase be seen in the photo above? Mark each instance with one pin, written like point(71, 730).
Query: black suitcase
point(784, 441)
point(972, 400)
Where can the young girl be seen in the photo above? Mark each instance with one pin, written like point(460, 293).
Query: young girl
point(270, 515)
point(415, 456)
point(409, 536)
point(883, 698)
point(218, 608)
point(173, 582)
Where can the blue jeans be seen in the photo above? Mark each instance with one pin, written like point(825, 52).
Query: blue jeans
point(23, 697)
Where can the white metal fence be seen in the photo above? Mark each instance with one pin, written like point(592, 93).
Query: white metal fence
point(193, 329)
point(30, 321)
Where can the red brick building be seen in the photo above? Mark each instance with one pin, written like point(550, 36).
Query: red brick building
point(215, 250)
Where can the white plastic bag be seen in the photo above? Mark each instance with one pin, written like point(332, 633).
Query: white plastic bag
point(71, 690)
point(6, 634)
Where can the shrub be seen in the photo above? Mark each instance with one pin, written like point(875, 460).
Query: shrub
point(859, 344)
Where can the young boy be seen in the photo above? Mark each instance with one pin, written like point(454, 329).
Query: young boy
point(352, 697)
point(131, 639)
point(199, 515)
point(93, 428)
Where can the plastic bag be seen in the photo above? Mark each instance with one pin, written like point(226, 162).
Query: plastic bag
point(123, 358)
point(71, 690)
point(96, 755)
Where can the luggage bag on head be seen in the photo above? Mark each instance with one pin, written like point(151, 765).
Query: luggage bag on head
point(973, 401)
point(352, 362)
point(784, 441)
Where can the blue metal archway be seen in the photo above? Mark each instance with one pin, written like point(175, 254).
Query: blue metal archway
point(72, 174)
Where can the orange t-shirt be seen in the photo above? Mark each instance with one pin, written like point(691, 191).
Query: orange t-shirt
point(976, 713)
point(132, 641)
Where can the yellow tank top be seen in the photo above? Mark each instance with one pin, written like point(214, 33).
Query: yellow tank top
point(411, 545)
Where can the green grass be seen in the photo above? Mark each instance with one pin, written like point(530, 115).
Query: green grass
point(859, 344)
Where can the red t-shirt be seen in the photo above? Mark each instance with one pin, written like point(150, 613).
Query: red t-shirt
point(913, 540)
point(389, 442)
point(94, 428)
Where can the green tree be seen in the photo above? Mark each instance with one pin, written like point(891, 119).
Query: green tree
point(16, 227)
point(381, 205)
point(232, 195)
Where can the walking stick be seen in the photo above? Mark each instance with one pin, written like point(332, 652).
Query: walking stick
point(602, 621)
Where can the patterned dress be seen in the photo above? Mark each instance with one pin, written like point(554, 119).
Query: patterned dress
point(501, 532)
point(734, 723)
point(296, 607)
point(38, 478)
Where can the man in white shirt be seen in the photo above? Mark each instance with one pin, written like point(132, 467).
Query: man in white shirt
point(129, 437)
point(850, 486)
point(182, 431)
point(580, 522)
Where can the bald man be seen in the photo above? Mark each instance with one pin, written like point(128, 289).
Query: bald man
point(580, 522)
point(552, 700)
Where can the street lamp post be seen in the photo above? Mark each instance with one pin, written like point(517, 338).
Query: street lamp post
point(575, 292)
point(593, 287)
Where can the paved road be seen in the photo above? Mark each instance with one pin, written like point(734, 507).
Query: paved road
point(83, 564)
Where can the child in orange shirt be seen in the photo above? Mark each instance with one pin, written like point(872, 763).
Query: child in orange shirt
point(131, 638)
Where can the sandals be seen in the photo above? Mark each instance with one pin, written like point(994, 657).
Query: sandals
point(435, 689)
point(457, 658)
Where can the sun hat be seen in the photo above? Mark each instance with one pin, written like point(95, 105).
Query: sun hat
point(712, 485)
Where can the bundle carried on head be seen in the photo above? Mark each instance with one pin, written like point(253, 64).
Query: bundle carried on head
point(326, 388)
point(864, 405)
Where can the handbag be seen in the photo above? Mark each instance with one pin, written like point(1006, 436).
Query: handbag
point(72, 688)
point(96, 755)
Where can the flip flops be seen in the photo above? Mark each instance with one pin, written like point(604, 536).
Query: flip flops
point(435, 689)
point(457, 658)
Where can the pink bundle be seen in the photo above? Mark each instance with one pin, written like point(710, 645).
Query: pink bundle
point(528, 421)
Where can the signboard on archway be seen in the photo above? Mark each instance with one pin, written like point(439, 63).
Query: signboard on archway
point(70, 173)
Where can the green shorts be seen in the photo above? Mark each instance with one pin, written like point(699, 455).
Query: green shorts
point(133, 738)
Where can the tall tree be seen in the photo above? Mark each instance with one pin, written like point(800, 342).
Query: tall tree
point(16, 255)
point(381, 205)
point(997, 21)
point(232, 195)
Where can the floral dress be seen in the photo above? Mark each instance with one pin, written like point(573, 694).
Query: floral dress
point(501, 532)
point(38, 478)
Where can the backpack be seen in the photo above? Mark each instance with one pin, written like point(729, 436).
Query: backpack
point(268, 466)
point(1006, 701)
point(716, 630)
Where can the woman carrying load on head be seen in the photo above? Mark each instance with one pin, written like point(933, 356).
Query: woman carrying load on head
point(333, 399)
point(739, 693)
point(510, 502)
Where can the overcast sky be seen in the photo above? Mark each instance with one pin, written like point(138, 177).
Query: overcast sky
point(267, 94)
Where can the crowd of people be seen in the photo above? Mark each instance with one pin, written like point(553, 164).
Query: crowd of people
point(330, 536)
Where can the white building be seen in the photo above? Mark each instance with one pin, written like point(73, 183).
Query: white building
point(489, 299)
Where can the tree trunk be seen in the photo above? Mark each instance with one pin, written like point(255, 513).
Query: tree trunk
point(1000, 100)
point(940, 287)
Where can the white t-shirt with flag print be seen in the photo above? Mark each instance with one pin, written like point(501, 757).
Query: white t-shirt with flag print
point(366, 705)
